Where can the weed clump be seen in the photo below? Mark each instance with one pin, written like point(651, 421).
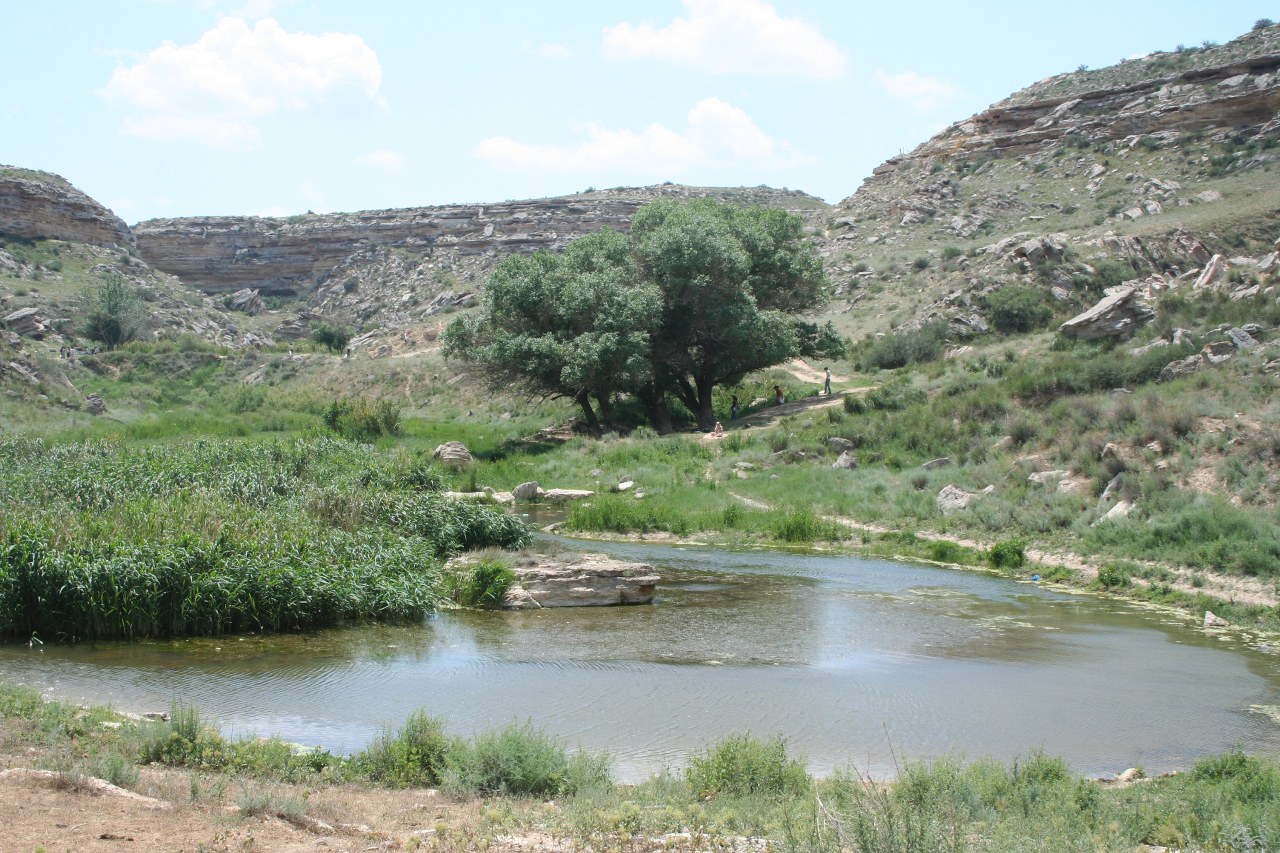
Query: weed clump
point(742, 764)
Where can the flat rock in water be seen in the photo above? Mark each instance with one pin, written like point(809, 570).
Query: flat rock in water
point(566, 494)
point(581, 580)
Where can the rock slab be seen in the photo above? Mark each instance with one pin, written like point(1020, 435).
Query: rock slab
point(589, 580)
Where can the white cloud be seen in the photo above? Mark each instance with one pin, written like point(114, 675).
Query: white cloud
point(217, 89)
point(921, 93)
point(382, 158)
point(548, 50)
point(731, 37)
point(717, 133)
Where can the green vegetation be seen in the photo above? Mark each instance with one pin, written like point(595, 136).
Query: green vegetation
point(695, 297)
point(114, 314)
point(331, 336)
point(211, 537)
point(483, 583)
point(739, 786)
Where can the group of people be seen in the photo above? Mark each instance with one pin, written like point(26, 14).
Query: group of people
point(778, 397)
point(73, 352)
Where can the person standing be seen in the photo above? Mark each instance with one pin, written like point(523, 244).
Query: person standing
point(826, 383)
point(733, 408)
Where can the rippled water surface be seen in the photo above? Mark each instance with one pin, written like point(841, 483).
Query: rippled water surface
point(852, 660)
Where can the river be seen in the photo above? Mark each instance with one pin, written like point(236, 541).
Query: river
point(859, 663)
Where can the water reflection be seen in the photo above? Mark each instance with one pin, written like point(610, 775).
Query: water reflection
point(845, 657)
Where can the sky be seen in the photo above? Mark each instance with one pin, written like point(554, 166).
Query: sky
point(162, 108)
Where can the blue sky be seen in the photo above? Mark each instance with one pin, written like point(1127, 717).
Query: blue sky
point(275, 107)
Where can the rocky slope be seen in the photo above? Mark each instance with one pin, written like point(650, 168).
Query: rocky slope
point(40, 206)
point(1157, 163)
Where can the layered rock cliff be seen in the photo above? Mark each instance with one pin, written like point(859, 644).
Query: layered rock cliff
point(296, 255)
point(40, 206)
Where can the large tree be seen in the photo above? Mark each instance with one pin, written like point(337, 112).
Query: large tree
point(730, 279)
point(574, 324)
point(698, 295)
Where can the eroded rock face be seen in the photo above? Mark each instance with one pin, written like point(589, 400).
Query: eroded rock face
point(581, 580)
point(297, 254)
point(42, 206)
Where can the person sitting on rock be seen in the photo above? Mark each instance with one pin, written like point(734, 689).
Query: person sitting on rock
point(778, 398)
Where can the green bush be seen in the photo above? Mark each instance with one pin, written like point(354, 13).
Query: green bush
point(742, 764)
point(1008, 554)
point(414, 756)
point(480, 584)
point(115, 314)
point(1114, 576)
point(362, 419)
point(801, 525)
point(898, 349)
point(522, 761)
point(1017, 309)
point(333, 337)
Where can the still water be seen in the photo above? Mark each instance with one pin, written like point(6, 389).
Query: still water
point(852, 660)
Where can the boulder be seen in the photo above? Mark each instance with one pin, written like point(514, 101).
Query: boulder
point(1182, 367)
point(1212, 620)
point(940, 462)
point(23, 372)
point(624, 486)
point(840, 445)
point(1122, 509)
point(846, 461)
point(1118, 315)
point(25, 322)
point(527, 491)
point(1241, 339)
point(246, 299)
point(94, 405)
point(953, 499)
point(565, 495)
point(586, 580)
point(453, 454)
point(1213, 272)
point(1045, 477)
point(1216, 352)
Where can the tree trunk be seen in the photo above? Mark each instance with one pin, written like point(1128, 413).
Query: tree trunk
point(583, 399)
point(606, 409)
point(706, 409)
point(655, 405)
point(689, 396)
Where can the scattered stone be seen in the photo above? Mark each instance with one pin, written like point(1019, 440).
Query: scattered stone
point(1241, 339)
point(453, 454)
point(1182, 367)
point(744, 466)
point(247, 300)
point(23, 372)
point(1045, 477)
point(1217, 352)
point(1133, 774)
point(838, 444)
point(940, 462)
point(1214, 272)
point(26, 322)
point(846, 461)
point(953, 499)
point(624, 486)
point(94, 405)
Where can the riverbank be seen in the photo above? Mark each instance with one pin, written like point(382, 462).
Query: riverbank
point(74, 783)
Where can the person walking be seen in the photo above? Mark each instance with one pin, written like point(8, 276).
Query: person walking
point(826, 383)
point(733, 408)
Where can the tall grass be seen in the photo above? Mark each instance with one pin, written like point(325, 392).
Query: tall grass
point(100, 541)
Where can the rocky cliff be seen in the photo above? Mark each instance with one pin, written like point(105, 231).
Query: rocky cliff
point(40, 206)
point(298, 254)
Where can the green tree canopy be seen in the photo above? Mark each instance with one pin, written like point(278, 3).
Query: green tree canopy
point(115, 315)
point(697, 295)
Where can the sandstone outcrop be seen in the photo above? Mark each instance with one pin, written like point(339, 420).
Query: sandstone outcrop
point(300, 253)
point(41, 206)
point(588, 580)
point(1120, 313)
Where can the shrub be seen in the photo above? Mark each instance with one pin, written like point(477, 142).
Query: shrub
point(362, 419)
point(801, 525)
point(1113, 576)
point(1017, 309)
point(898, 349)
point(742, 764)
point(522, 761)
point(480, 584)
point(1008, 554)
point(115, 314)
point(412, 757)
point(1262, 24)
point(332, 337)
